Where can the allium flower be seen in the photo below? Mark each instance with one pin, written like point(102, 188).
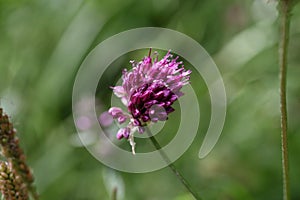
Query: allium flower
point(148, 91)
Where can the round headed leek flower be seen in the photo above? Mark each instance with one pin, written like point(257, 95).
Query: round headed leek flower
point(148, 91)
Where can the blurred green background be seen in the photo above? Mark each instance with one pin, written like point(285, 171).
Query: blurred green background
point(42, 44)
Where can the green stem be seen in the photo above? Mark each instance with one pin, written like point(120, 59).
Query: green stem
point(171, 165)
point(284, 9)
point(33, 192)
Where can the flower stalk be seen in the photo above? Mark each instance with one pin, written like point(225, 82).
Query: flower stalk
point(172, 166)
point(284, 10)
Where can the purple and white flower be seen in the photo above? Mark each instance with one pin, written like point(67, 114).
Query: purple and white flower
point(148, 91)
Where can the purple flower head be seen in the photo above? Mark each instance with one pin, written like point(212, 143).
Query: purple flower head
point(148, 91)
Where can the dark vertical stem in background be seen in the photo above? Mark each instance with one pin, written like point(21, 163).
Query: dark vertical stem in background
point(114, 193)
point(284, 10)
point(171, 165)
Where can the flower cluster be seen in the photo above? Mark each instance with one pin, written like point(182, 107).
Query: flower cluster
point(13, 153)
point(11, 185)
point(148, 91)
